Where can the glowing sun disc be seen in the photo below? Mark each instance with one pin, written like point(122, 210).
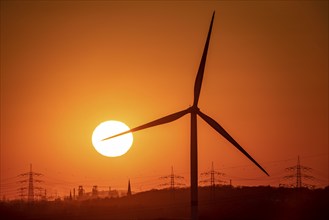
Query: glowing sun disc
point(112, 147)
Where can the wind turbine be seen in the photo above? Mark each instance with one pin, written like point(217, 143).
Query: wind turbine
point(194, 111)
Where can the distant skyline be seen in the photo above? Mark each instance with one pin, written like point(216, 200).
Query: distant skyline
point(68, 66)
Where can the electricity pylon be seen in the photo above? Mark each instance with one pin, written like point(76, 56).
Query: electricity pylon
point(213, 177)
point(173, 184)
point(31, 186)
point(298, 173)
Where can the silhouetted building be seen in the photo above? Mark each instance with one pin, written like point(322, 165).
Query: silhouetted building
point(80, 191)
point(94, 191)
point(113, 193)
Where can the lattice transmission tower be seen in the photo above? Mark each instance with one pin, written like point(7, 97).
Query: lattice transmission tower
point(298, 172)
point(212, 177)
point(31, 187)
point(172, 177)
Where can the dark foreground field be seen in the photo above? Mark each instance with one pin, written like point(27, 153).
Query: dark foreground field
point(223, 203)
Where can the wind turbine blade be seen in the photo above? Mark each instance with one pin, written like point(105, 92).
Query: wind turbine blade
point(160, 121)
point(228, 137)
point(199, 77)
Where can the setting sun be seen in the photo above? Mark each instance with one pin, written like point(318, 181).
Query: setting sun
point(113, 147)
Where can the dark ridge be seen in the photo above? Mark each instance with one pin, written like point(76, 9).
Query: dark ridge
point(214, 203)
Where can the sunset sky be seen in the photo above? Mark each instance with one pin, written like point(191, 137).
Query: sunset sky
point(67, 66)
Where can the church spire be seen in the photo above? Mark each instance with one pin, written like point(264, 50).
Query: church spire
point(129, 188)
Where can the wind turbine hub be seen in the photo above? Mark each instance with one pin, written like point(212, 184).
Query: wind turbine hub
point(194, 109)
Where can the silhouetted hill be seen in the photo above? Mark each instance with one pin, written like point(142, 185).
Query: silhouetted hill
point(222, 203)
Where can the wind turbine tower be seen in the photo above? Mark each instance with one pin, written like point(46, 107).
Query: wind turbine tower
point(194, 111)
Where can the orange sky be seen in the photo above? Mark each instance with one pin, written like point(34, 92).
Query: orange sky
point(67, 66)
